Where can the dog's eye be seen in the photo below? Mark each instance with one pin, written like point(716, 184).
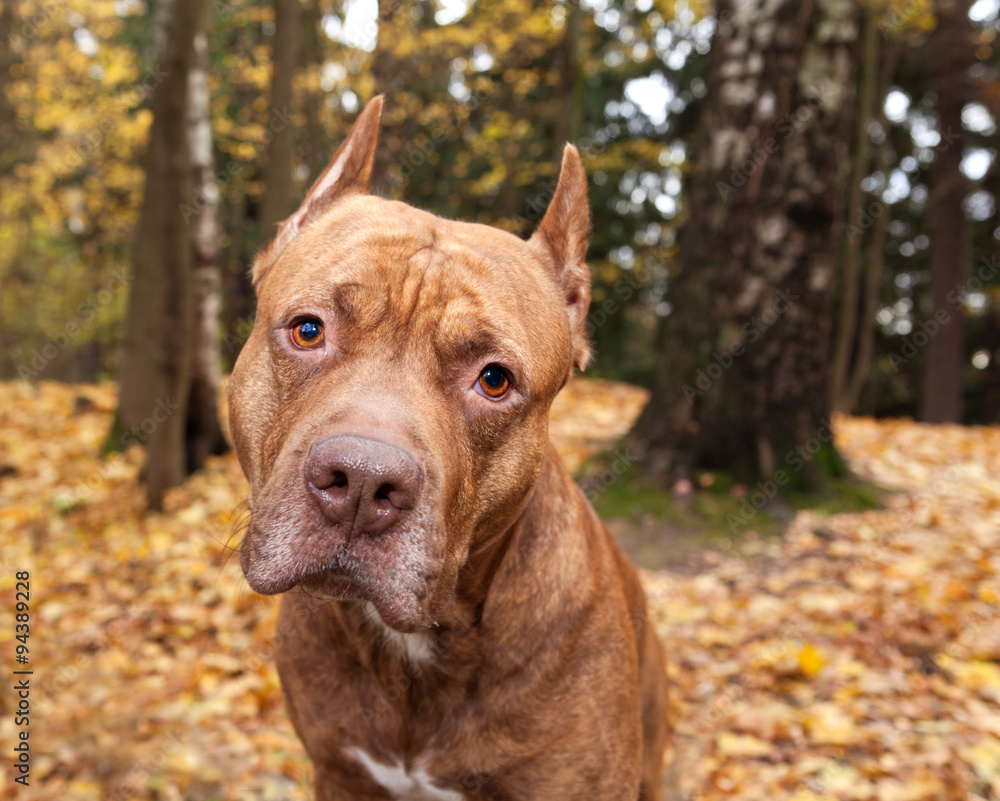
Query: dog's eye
point(308, 334)
point(494, 381)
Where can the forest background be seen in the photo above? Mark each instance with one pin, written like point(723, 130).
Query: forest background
point(837, 160)
point(795, 248)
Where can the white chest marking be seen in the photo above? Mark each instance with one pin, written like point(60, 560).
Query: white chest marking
point(417, 647)
point(403, 784)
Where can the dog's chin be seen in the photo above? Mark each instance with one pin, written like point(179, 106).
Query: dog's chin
point(400, 610)
point(391, 571)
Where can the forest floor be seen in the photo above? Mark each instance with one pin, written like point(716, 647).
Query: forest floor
point(852, 656)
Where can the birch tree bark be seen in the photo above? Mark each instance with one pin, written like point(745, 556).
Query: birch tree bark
point(203, 434)
point(742, 381)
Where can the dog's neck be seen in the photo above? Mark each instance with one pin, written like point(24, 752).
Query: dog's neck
point(528, 538)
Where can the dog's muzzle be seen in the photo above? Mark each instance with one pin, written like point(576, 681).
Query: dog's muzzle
point(362, 484)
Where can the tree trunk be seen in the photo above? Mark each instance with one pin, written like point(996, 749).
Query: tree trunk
point(869, 308)
point(567, 121)
point(204, 435)
point(850, 281)
point(8, 118)
point(276, 204)
point(156, 351)
point(951, 51)
point(390, 79)
point(238, 291)
point(8, 157)
point(742, 381)
point(865, 347)
point(311, 63)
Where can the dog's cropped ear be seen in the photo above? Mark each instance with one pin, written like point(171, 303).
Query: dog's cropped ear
point(350, 170)
point(562, 238)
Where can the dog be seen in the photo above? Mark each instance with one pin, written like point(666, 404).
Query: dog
point(457, 623)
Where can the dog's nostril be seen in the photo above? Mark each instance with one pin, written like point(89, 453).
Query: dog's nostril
point(362, 482)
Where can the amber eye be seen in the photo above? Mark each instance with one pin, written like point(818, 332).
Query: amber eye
point(308, 334)
point(494, 381)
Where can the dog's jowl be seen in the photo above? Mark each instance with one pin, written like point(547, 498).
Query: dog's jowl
point(457, 623)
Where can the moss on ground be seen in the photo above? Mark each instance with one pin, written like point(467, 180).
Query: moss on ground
point(718, 514)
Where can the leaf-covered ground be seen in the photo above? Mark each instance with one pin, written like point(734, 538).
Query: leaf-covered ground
point(855, 658)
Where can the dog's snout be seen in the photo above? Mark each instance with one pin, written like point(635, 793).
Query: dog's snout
point(361, 482)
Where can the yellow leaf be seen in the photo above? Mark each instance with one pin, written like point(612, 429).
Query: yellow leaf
point(810, 661)
point(983, 677)
point(984, 756)
point(828, 724)
point(742, 745)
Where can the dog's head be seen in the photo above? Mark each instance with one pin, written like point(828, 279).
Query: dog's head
point(390, 408)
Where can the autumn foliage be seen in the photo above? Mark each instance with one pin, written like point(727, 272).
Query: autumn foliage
point(856, 657)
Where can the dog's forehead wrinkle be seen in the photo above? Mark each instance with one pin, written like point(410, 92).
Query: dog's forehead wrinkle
point(419, 266)
point(436, 281)
point(468, 327)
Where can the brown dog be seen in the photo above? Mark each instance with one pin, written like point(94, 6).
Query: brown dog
point(458, 623)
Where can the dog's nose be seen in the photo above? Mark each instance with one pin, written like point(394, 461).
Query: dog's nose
point(362, 482)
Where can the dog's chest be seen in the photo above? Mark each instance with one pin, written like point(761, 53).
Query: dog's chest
point(413, 784)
